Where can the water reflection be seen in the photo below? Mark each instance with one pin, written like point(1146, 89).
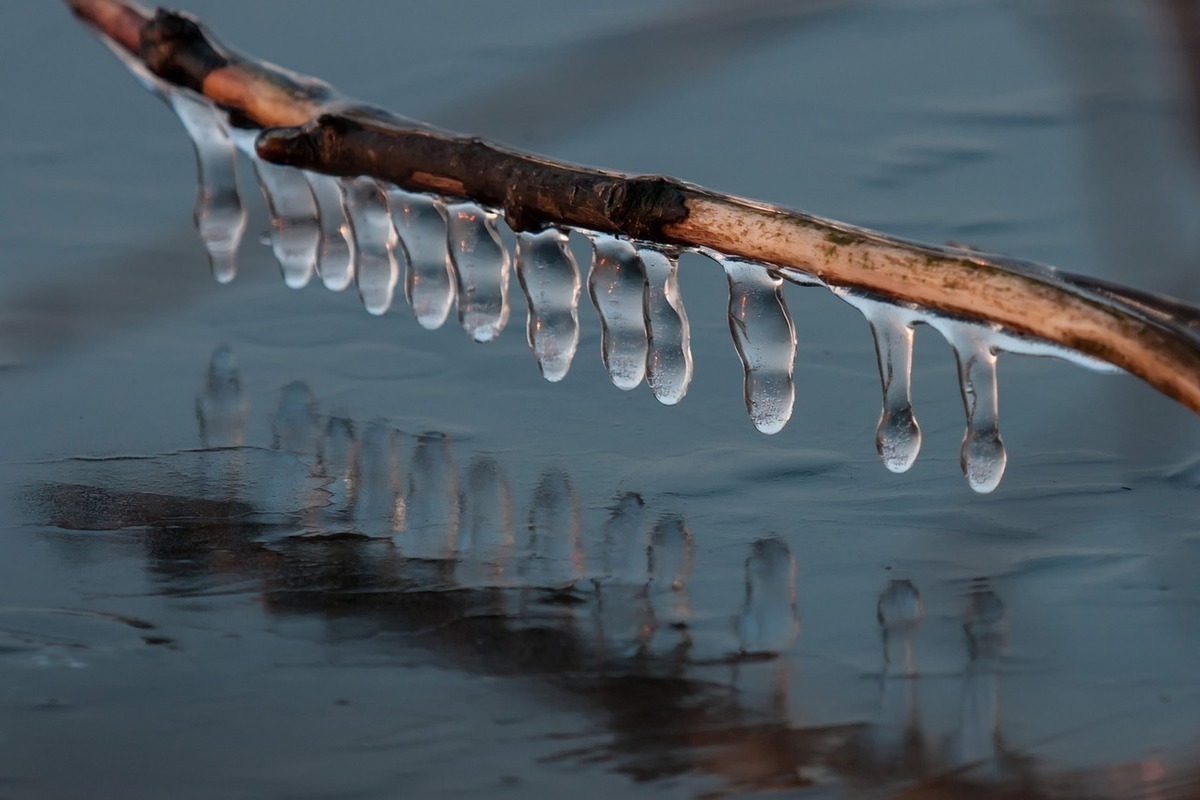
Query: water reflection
point(395, 541)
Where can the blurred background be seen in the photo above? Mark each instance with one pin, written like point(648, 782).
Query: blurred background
point(258, 543)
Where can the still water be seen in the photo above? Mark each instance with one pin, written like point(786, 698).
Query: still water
point(259, 542)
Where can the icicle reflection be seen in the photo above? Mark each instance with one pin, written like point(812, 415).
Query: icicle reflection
point(769, 622)
point(549, 277)
point(481, 265)
point(766, 342)
point(616, 283)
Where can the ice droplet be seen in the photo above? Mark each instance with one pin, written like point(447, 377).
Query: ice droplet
point(549, 277)
point(481, 265)
point(616, 283)
point(669, 347)
point(375, 242)
point(335, 262)
point(765, 339)
point(295, 231)
point(429, 277)
point(219, 215)
point(769, 622)
point(982, 455)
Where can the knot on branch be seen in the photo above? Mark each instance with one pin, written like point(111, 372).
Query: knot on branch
point(177, 48)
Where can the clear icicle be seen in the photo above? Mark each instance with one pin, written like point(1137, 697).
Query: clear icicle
point(982, 455)
point(897, 437)
point(375, 241)
point(220, 217)
point(295, 230)
point(549, 277)
point(765, 339)
point(335, 263)
point(429, 277)
point(669, 349)
point(616, 284)
point(481, 265)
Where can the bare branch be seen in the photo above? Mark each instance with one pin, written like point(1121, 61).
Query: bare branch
point(312, 128)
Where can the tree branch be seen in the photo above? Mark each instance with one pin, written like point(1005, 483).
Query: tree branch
point(313, 128)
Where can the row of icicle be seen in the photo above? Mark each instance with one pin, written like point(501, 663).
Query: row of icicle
point(450, 255)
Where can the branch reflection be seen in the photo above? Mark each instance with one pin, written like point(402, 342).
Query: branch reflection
point(395, 540)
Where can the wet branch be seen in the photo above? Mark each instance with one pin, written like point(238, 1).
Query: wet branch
point(310, 126)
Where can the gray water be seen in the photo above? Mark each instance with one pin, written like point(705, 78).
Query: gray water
point(258, 542)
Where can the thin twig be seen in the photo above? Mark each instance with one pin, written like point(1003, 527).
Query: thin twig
point(311, 127)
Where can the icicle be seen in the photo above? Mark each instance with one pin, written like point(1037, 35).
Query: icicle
point(220, 217)
point(429, 277)
point(295, 231)
point(616, 283)
point(550, 279)
point(481, 265)
point(379, 508)
point(897, 437)
point(769, 622)
point(982, 454)
point(669, 350)
point(335, 263)
point(375, 242)
point(765, 339)
point(486, 542)
point(432, 512)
